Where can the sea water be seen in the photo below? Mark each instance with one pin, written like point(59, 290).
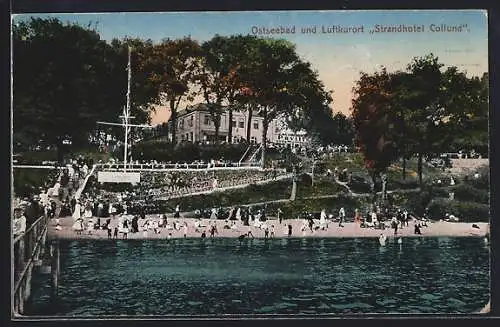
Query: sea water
point(277, 276)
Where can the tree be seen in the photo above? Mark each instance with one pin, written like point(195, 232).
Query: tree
point(169, 68)
point(64, 81)
point(218, 77)
point(374, 123)
point(280, 83)
point(344, 129)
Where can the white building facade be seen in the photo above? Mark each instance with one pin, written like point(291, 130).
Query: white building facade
point(195, 124)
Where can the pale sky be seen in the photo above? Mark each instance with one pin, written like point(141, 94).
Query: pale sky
point(338, 57)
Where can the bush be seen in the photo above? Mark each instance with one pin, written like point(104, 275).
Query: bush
point(321, 186)
point(465, 211)
point(403, 185)
point(360, 185)
point(483, 182)
point(295, 209)
point(27, 181)
point(467, 192)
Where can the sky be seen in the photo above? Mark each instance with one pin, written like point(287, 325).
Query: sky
point(458, 37)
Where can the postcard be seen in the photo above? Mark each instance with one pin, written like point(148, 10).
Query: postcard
point(257, 163)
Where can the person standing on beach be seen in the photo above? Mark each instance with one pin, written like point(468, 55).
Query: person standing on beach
point(185, 229)
point(177, 211)
point(394, 223)
point(109, 231)
point(405, 217)
point(272, 231)
point(357, 217)
point(125, 229)
point(341, 216)
point(115, 234)
point(289, 230)
point(280, 215)
point(266, 233)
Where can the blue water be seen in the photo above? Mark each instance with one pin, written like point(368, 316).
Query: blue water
point(280, 276)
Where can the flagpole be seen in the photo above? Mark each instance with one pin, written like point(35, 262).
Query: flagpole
point(127, 114)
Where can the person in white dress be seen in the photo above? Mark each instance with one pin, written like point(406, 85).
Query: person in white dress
point(322, 220)
point(238, 214)
point(78, 211)
point(88, 210)
point(78, 226)
point(213, 215)
point(374, 219)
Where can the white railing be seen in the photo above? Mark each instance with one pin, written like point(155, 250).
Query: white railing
point(244, 154)
point(179, 167)
point(255, 153)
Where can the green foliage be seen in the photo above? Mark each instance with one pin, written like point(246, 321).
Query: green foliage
point(322, 186)
point(254, 193)
point(422, 111)
point(295, 209)
point(65, 79)
point(465, 211)
point(467, 192)
point(27, 181)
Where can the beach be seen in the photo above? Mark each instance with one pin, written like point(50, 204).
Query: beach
point(349, 229)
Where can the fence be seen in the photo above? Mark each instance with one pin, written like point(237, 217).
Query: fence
point(179, 167)
point(27, 249)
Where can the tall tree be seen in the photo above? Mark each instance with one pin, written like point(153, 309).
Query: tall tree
point(219, 79)
point(64, 80)
point(374, 122)
point(170, 67)
point(279, 83)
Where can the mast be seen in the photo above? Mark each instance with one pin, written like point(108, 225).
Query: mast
point(127, 113)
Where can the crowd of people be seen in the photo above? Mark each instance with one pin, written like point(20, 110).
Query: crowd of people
point(53, 199)
point(154, 164)
point(178, 183)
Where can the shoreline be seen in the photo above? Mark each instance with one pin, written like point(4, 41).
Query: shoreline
point(350, 230)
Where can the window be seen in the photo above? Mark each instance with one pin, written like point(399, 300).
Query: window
point(207, 120)
point(253, 140)
point(241, 124)
point(255, 125)
point(233, 123)
point(277, 130)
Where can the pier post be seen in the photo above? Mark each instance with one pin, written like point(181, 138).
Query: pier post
point(20, 299)
point(20, 257)
point(54, 250)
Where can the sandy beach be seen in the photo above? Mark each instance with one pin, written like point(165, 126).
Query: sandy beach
point(441, 228)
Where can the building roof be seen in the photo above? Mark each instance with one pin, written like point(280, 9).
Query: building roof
point(192, 108)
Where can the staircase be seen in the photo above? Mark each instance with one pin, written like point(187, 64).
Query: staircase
point(251, 154)
point(254, 157)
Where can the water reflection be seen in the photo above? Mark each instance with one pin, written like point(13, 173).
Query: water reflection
point(195, 276)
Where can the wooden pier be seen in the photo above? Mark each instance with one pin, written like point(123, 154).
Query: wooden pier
point(28, 249)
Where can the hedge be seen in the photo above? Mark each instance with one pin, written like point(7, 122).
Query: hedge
point(467, 192)
point(465, 211)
